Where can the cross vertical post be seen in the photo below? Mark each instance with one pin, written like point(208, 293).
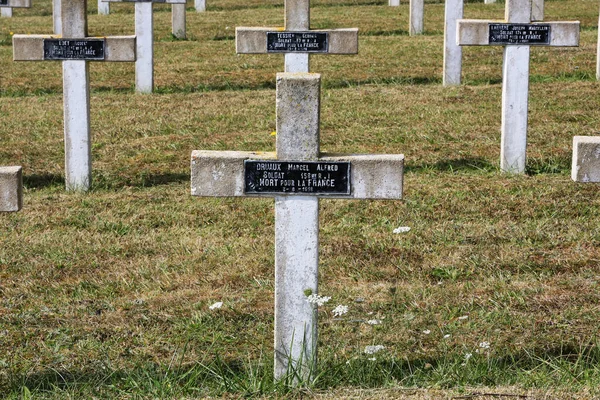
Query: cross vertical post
point(75, 49)
point(415, 17)
point(178, 20)
point(452, 51)
point(103, 7)
point(516, 34)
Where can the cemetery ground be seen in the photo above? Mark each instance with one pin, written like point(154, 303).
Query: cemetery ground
point(494, 289)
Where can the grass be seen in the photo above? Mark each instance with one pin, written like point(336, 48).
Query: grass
point(106, 294)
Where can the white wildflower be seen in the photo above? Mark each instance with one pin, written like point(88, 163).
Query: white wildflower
point(374, 349)
point(339, 310)
point(218, 304)
point(374, 322)
point(318, 300)
point(463, 317)
point(401, 229)
point(427, 331)
point(484, 345)
point(372, 358)
point(468, 355)
point(446, 336)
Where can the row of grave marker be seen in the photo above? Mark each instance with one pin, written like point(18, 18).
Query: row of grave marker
point(297, 174)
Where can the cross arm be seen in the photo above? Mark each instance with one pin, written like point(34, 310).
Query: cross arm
point(18, 4)
point(221, 173)
point(471, 32)
point(254, 40)
point(31, 47)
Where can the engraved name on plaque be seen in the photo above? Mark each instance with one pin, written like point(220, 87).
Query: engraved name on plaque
point(3, 2)
point(503, 34)
point(73, 49)
point(297, 42)
point(297, 177)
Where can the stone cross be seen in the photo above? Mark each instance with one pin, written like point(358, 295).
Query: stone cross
point(394, 3)
point(517, 34)
point(103, 7)
point(11, 189)
point(74, 48)
point(586, 159)
point(6, 6)
point(296, 40)
point(452, 51)
point(144, 32)
point(200, 5)
point(296, 175)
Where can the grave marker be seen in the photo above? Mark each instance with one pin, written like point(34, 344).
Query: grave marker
point(11, 189)
point(144, 32)
point(296, 40)
point(200, 5)
point(297, 174)
point(517, 34)
point(394, 3)
point(75, 49)
point(586, 159)
point(103, 7)
point(57, 16)
point(6, 6)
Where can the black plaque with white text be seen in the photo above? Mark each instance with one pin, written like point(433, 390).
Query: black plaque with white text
point(297, 42)
point(74, 49)
point(519, 34)
point(3, 2)
point(297, 177)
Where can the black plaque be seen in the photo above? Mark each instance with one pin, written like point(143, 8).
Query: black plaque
point(74, 49)
point(297, 42)
point(530, 34)
point(297, 177)
point(3, 2)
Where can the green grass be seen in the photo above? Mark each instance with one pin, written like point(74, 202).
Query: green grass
point(106, 294)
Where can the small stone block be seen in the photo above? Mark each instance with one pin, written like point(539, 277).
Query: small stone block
point(254, 40)
point(472, 32)
point(11, 189)
point(586, 159)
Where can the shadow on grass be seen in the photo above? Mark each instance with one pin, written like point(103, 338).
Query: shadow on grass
point(455, 165)
point(555, 365)
point(40, 181)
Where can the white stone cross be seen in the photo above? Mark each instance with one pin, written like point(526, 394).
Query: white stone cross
point(517, 34)
point(394, 3)
point(11, 189)
point(200, 5)
point(144, 31)
point(586, 159)
point(295, 37)
point(74, 48)
point(6, 6)
point(296, 176)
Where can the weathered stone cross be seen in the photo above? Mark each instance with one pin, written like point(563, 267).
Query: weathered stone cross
point(296, 175)
point(75, 49)
point(144, 31)
point(517, 34)
point(11, 189)
point(6, 6)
